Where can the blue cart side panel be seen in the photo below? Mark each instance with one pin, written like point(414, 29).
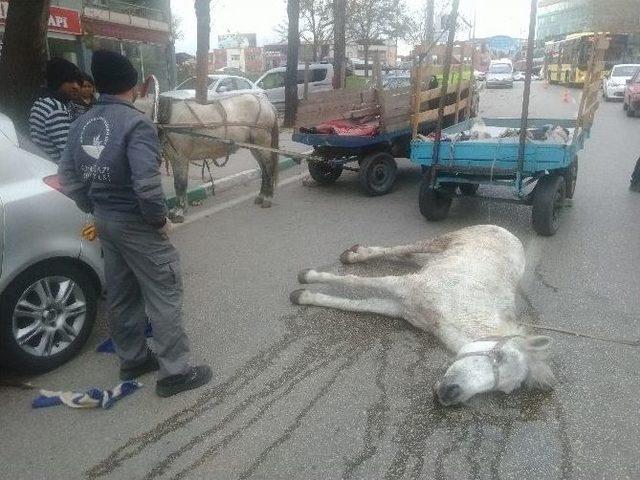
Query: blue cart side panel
point(499, 154)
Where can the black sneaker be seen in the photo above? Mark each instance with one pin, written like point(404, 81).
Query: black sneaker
point(148, 366)
point(196, 377)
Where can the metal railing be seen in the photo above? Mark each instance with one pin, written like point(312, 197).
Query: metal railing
point(128, 8)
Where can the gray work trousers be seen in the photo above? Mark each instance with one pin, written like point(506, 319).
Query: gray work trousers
point(143, 281)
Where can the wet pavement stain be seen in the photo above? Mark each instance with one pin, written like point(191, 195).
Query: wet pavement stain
point(329, 343)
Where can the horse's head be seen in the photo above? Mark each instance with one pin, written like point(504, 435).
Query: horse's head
point(144, 100)
point(496, 363)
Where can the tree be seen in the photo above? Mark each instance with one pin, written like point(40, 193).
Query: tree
point(315, 24)
point(203, 14)
point(420, 25)
point(291, 76)
point(23, 58)
point(339, 42)
point(370, 22)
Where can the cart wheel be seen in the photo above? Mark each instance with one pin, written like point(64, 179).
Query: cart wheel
point(468, 189)
point(547, 202)
point(434, 203)
point(571, 177)
point(323, 173)
point(377, 173)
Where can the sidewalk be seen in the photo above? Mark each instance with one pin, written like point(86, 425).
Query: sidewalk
point(240, 168)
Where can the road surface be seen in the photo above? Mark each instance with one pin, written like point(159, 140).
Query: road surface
point(308, 393)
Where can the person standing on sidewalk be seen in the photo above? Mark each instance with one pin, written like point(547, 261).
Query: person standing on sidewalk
point(50, 118)
point(111, 168)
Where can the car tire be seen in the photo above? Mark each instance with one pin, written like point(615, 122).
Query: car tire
point(54, 329)
point(378, 173)
point(630, 111)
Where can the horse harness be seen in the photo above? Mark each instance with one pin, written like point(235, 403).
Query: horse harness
point(491, 354)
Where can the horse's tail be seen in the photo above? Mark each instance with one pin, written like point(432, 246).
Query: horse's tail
point(275, 143)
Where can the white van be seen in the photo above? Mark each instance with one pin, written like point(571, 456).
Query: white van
point(272, 82)
point(500, 74)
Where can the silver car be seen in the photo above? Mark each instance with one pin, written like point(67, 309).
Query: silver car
point(218, 85)
point(50, 277)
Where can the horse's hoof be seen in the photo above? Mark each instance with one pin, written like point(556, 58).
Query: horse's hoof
point(266, 203)
point(297, 297)
point(258, 201)
point(348, 256)
point(302, 276)
point(176, 216)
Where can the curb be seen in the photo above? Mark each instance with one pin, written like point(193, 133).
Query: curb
point(206, 189)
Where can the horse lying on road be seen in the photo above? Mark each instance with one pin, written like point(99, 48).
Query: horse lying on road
point(464, 294)
point(245, 117)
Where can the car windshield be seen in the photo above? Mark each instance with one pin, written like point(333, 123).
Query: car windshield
point(624, 71)
point(190, 84)
point(500, 68)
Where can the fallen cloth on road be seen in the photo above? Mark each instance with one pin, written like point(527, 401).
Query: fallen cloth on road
point(107, 346)
point(92, 398)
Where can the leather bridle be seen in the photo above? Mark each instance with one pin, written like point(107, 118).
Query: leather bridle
point(492, 354)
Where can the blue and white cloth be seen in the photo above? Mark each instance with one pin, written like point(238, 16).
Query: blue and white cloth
point(92, 398)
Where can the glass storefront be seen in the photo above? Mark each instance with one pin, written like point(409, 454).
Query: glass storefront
point(63, 48)
point(147, 58)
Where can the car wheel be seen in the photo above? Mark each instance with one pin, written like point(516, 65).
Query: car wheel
point(630, 111)
point(46, 316)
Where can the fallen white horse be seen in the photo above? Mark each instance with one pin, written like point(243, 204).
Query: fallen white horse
point(464, 294)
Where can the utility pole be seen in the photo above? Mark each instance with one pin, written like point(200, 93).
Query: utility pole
point(291, 76)
point(339, 42)
point(203, 15)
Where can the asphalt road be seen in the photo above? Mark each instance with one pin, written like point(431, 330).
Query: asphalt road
point(308, 393)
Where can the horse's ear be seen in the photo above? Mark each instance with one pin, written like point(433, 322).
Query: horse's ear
point(144, 88)
point(540, 375)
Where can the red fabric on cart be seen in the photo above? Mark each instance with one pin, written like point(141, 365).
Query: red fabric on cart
point(362, 127)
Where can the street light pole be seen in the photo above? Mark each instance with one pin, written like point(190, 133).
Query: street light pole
point(203, 15)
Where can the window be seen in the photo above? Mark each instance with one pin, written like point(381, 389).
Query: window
point(624, 71)
point(242, 84)
point(226, 85)
point(315, 75)
point(273, 80)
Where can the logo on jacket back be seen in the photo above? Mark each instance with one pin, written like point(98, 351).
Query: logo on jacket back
point(95, 136)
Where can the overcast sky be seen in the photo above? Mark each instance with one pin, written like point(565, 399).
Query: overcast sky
point(494, 17)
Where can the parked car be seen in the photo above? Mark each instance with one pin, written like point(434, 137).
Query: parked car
point(519, 77)
point(615, 84)
point(631, 101)
point(272, 81)
point(218, 85)
point(500, 74)
point(50, 277)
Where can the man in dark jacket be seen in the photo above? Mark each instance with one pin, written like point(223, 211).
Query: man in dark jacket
point(111, 168)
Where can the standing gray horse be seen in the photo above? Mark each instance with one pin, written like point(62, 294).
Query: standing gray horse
point(246, 117)
point(464, 294)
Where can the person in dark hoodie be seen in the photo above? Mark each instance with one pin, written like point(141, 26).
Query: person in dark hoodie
point(111, 168)
point(50, 117)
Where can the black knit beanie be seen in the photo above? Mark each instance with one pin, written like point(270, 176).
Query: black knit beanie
point(112, 72)
point(61, 71)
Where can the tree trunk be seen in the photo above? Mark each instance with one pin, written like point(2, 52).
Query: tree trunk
point(366, 60)
point(429, 22)
point(291, 78)
point(339, 42)
point(23, 57)
point(203, 14)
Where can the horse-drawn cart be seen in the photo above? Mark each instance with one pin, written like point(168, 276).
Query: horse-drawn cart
point(392, 117)
point(536, 158)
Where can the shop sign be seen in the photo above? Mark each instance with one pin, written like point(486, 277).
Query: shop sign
point(61, 20)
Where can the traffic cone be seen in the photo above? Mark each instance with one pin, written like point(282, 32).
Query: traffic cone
point(566, 97)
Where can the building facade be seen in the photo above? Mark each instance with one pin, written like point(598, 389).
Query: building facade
point(140, 30)
point(559, 18)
